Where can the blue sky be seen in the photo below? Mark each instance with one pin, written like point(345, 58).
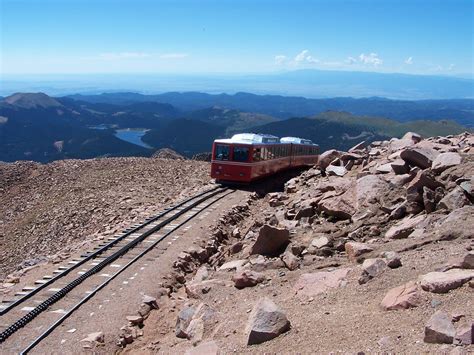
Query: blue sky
point(244, 36)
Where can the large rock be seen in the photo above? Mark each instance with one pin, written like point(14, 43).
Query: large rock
point(370, 189)
point(454, 200)
point(404, 228)
point(468, 187)
point(197, 289)
point(392, 258)
point(429, 199)
point(402, 297)
point(182, 322)
point(456, 225)
point(192, 322)
point(420, 157)
point(422, 179)
point(467, 261)
point(415, 137)
point(335, 170)
point(266, 321)
point(233, 265)
point(400, 167)
point(465, 334)
point(356, 249)
point(315, 283)
point(291, 261)
point(442, 282)
point(247, 278)
point(327, 157)
point(444, 161)
point(439, 329)
point(305, 210)
point(372, 268)
point(341, 206)
point(270, 241)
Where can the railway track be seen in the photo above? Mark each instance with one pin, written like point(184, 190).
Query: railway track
point(94, 270)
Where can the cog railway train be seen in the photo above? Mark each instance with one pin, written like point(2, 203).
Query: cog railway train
point(247, 157)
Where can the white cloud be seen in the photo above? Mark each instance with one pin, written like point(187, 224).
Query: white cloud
point(174, 55)
point(409, 60)
point(451, 66)
point(123, 55)
point(351, 60)
point(280, 59)
point(304, 57)
point(371, 59)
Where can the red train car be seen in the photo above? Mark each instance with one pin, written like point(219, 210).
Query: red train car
point(247, 157)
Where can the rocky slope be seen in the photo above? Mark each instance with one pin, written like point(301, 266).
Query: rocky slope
point(369, 252)
point(47, 211)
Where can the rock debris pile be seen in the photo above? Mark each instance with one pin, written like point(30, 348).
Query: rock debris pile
point(47, 211)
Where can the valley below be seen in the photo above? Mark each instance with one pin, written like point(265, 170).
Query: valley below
point(38, 127)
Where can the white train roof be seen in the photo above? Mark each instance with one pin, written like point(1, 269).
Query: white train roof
point(296, 140)
point(258, 138)
point(249, 138)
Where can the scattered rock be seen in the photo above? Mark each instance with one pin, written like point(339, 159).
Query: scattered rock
point(467, 261)
point(356, 249)
point(327, 157)
point(444, 161)
point(400, 167)
point(464, 334)
point(233, 265)
point(372, 268)
point(309, 285)
point(320, 242)
point(135, 320)
point(439, 329)
point(442, 282)
point(182, 322)
point(247, 278)
point(404, 228)
point(454, 200)
point(93, 338)
point(403, 297)
point(336, 170)
point(415, 137)
point(290, 260)
point(270, 241)
point(392, 259)
point(266, 322)
point(420, 157)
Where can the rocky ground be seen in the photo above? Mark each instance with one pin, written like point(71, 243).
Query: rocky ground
point(48, 211)
point(371, 251)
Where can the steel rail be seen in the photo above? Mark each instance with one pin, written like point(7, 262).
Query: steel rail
point(99, 251)
point(70, 286)
point(105, 283)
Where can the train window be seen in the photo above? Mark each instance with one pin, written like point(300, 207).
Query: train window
point(271, 152)
point(222, 152)
point(257, 154)
point(241, 153)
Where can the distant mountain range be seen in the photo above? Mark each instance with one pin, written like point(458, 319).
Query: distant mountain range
point(35, 126)
point(459, 110)
point(309, 83)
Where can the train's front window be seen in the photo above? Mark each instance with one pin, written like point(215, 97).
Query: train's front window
point(222, 152)
point(241, 153)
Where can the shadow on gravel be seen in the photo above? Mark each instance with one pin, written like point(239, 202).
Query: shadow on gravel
point(274, 183)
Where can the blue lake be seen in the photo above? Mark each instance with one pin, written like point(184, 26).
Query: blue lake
point(133, 136)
